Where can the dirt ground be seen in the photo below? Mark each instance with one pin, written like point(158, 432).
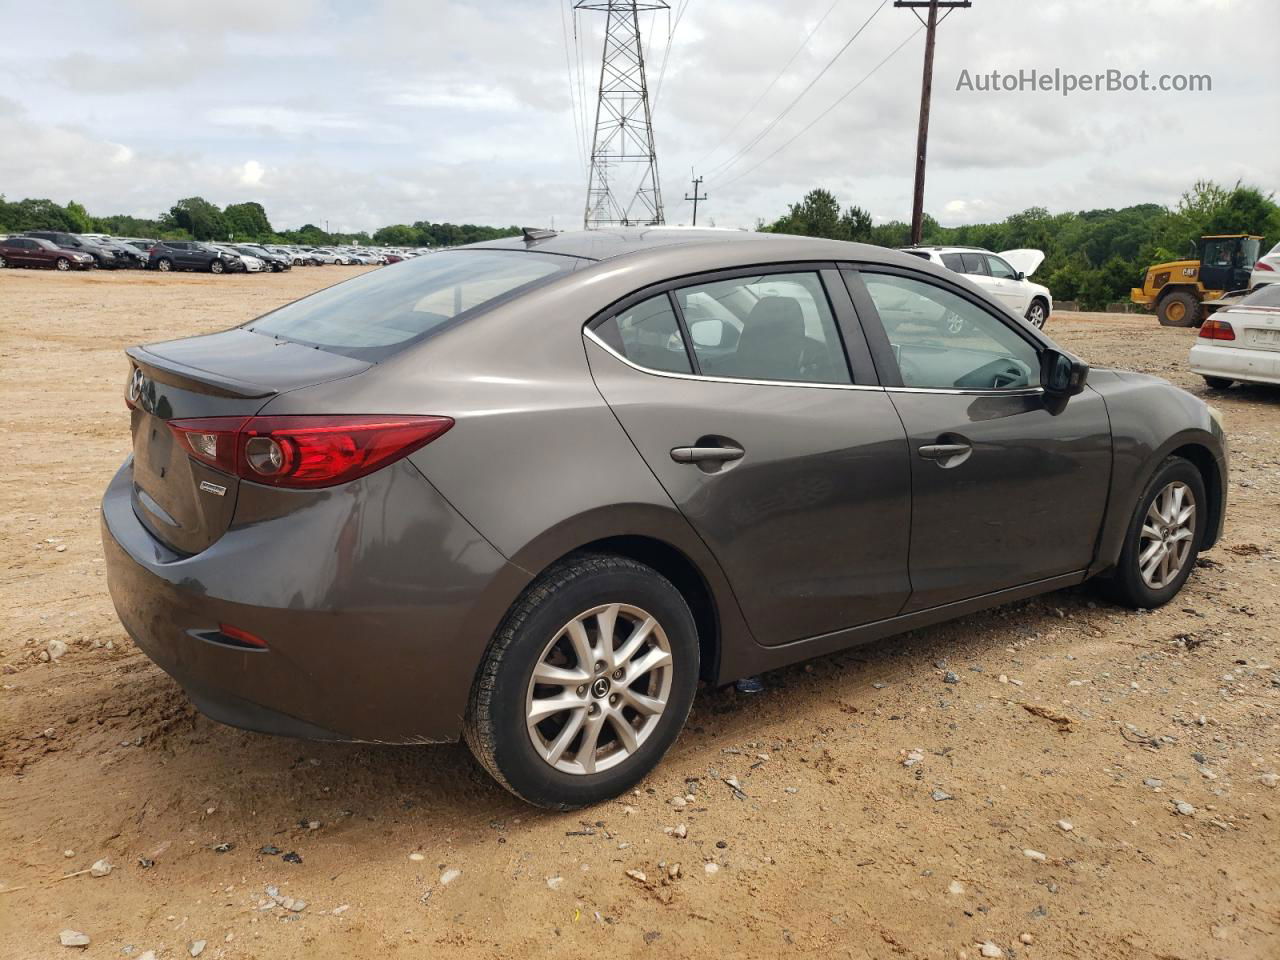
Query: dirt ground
point(1074, 732)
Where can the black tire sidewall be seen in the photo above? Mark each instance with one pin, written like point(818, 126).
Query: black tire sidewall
point(1128, 577)
point(527, 774)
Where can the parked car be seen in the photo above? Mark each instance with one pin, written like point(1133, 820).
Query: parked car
point(1002, 275)
point(1267, 269)
point(248, 263)
point(126, 255)
point(548, 483)
point(277, 263)
point(103, 257)
point(323, 256)
point(192, 255)
point(38, 252)
point(1241, 342)
point(135, 252)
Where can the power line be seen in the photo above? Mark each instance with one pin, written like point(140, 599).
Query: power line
point(573, 100)
point(772, 83)
point(839, 100)
point(728, 164)
point(671, 34)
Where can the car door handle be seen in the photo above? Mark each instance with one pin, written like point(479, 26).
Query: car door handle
point(944, 451)
point(706, 454)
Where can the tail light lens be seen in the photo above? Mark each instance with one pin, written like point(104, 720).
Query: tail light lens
point(1217, 330)
point(1263, 265)
point(305, 451)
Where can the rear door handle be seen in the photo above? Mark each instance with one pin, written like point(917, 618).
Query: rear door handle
point(706, 454)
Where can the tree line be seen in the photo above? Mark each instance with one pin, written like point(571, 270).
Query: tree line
point(195, 218)
point(1093, 256)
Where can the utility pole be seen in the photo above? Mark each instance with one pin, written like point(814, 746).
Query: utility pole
point(697, 182)
point(624, 122)
point(926, 93)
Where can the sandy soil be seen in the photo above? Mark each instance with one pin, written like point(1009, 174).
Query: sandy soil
point(834, 847)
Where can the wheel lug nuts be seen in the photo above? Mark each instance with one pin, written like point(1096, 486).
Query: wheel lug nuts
point(617, 674)
point(593, 709)
point(582, 691)
point(600, 665)
point(613, 700)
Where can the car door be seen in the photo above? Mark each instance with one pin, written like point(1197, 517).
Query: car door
point(1012, 292)
point(1007, 489)
point(21, 251)
point(791, 465)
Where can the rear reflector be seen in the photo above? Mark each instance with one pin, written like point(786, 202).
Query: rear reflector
point(305, 451)
point(1217, 330)
point(240, 638)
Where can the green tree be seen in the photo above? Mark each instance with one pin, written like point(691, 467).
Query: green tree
point(247, 221)
point(396, 235)
point(200, 218)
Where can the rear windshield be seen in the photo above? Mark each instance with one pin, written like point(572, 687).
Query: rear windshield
point(1267, 295)
point(374, 315)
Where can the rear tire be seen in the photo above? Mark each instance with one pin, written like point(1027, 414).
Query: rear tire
point(1178, 309)
point(3, 263)
point(1146, 540)
point(564, 611)
point(1218, 383)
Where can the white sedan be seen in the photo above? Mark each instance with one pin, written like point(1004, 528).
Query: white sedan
point(1241, 342)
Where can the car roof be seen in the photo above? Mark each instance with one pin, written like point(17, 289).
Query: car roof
point(672, 243)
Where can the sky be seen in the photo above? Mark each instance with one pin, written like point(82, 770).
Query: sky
point(391, 111)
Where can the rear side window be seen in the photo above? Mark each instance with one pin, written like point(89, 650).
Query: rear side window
point(378, 313)
point(776, 326)
point(953, 261)
point(648, 335)
point(974, 263)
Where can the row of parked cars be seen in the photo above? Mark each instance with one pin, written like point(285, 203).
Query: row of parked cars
point(59, 250)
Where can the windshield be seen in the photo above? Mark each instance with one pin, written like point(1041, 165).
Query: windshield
point(374, 315)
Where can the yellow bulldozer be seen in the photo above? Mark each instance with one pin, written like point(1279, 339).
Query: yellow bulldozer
point(1183, 291)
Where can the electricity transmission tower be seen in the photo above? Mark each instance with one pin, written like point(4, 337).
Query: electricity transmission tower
point(624, 125)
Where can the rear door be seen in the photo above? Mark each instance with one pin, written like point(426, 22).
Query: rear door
point(1007, 490)
point(789, 461)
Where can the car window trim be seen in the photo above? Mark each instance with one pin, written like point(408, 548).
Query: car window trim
point(1013, 274)
point(878, 337)
point(858, 363)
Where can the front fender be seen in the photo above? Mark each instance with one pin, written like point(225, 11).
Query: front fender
point(1151, 420)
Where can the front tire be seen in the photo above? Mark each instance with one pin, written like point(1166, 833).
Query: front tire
point(216, 266)
point(1218, 383)
point(63, 264)
point(1178, 309)
point(586, 684)
point(1163, 539)
point(1037, 314)
point(164, 264)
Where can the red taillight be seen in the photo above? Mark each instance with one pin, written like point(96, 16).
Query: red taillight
point(1263, 265)
point(1217, 330)
point(305, 451)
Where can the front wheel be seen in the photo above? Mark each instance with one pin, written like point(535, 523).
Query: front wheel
point(1037, 314)
point(164, 265)
point(63, 263)
point(216, 266)
point(1164, 537)
point(1178, 309)
point(586, 684)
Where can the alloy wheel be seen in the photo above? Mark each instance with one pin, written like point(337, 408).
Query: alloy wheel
point(1168, 529)
point(1036, 315)
point(599, 689)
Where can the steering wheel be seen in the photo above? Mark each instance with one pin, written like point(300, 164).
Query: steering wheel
point(999, 374)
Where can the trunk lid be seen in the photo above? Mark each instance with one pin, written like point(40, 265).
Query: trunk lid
point(1257, 326)
point(186, 504)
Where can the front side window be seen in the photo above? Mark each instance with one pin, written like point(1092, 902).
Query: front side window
point(378, 313)
point(776, 326)
point(943, 341)
point(1000, 269)
point(648, 335)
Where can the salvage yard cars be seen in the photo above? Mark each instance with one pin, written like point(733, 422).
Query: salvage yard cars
point(696, 455)
point(1002, 275)
point(1241, 342)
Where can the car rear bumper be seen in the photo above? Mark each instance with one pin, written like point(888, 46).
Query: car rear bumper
point(1236, 363)
point(376, 605)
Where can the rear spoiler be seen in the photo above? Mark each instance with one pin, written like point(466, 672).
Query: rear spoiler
point(181, 375)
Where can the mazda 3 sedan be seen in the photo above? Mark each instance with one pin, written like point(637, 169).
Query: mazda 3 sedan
point(530, 492)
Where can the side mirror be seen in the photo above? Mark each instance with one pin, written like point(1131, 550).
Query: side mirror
point(1019, 275)
point(1062, 375)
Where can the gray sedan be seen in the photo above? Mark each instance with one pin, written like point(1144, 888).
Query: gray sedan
point(529, 492)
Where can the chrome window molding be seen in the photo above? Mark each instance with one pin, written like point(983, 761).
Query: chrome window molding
point(1018, 392)
point(591, 335)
